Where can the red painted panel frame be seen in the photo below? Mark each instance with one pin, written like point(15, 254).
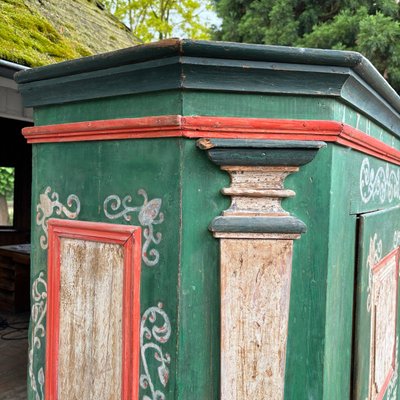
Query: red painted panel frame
point(130, 238)
point(376, 269)
point(213, 127)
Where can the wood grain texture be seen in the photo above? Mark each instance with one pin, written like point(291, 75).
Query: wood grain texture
point(256, 194)
point(90, 344)
point(255, 292)
point(257, 191)
point(93, 311)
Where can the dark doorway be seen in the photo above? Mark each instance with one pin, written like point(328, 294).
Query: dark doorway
point(15, 194)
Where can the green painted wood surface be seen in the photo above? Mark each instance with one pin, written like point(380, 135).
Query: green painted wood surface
point(86, 170)
point(258, 225)
point(163, 103)
point(305, 348)
point(212, 104)
point(198, 348)
point(260, 152)
point(321, 313)
point(90, 171)
point(340, 280)
point(379, 235)
point(216, 66)
point(188, 103)
point(321, 302)
point(150, 76)
point(185, 279)
point(287, 107)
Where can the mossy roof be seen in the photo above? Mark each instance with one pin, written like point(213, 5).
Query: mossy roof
point(41, 32)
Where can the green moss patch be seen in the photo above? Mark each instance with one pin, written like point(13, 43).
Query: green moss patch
point(35, 33)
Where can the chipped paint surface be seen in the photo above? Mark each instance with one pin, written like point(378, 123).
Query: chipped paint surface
point(257, 191)
point(383, 324)
point(255, 292)
point(91, 293)
point(93, 311)
point(255, 286)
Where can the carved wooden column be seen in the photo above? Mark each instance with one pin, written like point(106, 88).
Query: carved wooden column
point(256, 259)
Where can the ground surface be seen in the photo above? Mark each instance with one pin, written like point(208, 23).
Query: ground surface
point(13, 356)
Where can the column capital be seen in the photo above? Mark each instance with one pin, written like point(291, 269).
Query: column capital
point(258, 169)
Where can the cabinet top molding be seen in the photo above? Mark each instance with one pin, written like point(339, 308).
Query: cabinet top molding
point(217, 66)
point(252, 129)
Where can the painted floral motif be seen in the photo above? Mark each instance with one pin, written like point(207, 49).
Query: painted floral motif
point(49, 203)
point(374, 256)
point(148, 214)
point(382, 184)
point(155, 330)
point(38, 313)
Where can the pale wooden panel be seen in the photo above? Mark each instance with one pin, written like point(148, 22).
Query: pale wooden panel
point(255, 290)
point(383, 326)
point(90, 344)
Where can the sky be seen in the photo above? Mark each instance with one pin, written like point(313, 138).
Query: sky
point(211, 17)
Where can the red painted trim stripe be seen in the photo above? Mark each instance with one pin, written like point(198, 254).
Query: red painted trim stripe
point(130, 238)
point(214, 127)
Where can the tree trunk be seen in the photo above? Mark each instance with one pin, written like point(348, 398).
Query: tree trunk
point(4, 217)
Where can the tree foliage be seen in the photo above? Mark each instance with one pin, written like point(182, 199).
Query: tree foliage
point(370, 27)
point(160, 19)
point(6, 193)
point(6, 181)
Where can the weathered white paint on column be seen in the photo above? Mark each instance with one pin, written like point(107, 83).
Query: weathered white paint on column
point(257, 191)
point(255, 291)
point(255, 286)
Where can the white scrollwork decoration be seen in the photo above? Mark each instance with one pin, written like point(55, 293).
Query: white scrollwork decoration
point(155, 330)
point(374, 256)
point(38, 313)
point(50, 203)
point(382, 184)
point(148, 214)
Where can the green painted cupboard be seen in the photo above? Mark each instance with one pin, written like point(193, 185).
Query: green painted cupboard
point(262, 188)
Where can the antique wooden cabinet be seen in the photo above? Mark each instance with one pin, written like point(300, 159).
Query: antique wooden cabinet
point(250, 287)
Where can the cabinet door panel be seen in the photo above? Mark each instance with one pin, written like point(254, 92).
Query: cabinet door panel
point(377, 312)
point(92, 347)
